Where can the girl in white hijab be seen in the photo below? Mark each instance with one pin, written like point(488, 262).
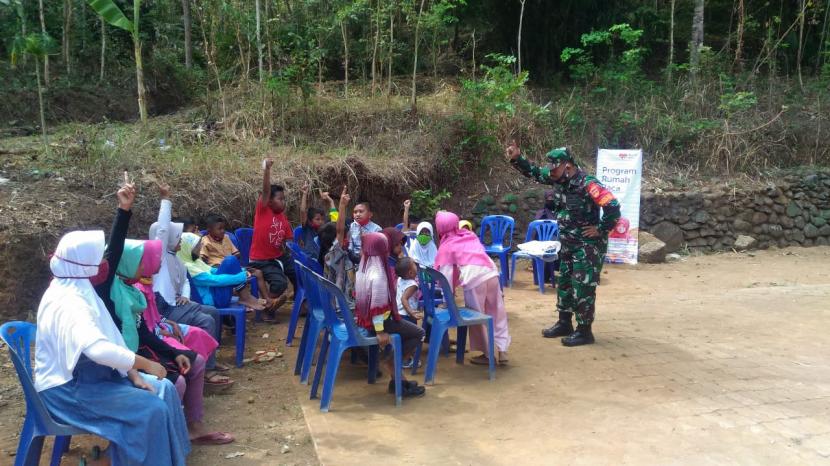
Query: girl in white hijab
point(423, 248)
point(87, 377)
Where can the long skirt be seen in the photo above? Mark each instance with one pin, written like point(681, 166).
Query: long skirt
point(143, 428)
point(487, 298)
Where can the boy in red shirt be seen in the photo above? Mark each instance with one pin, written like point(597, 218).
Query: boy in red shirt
point(271, 230)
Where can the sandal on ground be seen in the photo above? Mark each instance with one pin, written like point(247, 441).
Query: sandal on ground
point(219, 367)
point(216, 380)
point(267, 356)
point(213, 438)
point(409, 388)
point(481, 360)
point(503, 357)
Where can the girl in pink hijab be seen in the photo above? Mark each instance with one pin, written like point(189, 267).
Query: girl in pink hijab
point(377, 310)
point(461, 258)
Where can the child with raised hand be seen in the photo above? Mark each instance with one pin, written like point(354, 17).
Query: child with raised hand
point(377, 311)
point(334, 253)
point(311, 219)
point(271, 230)
point(363, 224)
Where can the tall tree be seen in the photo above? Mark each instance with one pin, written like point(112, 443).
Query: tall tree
point(802, 13)
point(259, 41)
point(103, 48)
point(519, 45)
point(670, 64)
point(697, 38)
point(45, 55)
point(113, 15)
point(739, 41)
point(188, 45)
point(414, 98)
point(66, 37)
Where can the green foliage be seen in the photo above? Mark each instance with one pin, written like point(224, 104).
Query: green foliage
point(735, 102)
point(609, 57)
point(425, 204)
point(37, 45)
point(113, 15)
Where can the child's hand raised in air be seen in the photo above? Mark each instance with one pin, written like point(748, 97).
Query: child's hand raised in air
point(406, 204)
point(344, 197)
point(126, 197)
point(324, 195)
point(267, 163)
point(304, 189)
point(164, 190)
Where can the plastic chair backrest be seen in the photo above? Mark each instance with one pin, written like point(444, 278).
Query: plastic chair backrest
point(427, 287)
point(437, 278)
point(501, 229)
point(299, 255)
point(203, 232)
point(19, 336)
point(297, 233)
point(233, 238)
point(399, 226)
point(542, 230)
point(244, 237)
point(312, 289)
point(332, 296)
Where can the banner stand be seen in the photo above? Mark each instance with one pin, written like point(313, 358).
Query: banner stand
point(620, 171)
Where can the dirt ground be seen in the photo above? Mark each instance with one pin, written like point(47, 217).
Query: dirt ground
point(714, 360)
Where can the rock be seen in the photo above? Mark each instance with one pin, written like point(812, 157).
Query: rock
point(652, 250)
point(799, 222)
point(798, 236)
point(787, 222)
point(285, 449)
point(690, 226)
point(759, 218)
point(824, 231)
point(743, 242)
point(793, 210)
point(668, 233)
point(818, 221)
point(822, 242)
point(741, 225)
point(673, 257)
point(811, 231)
point(701, 216)
point(776, 231)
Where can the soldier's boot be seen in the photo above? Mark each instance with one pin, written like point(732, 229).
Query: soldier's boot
point(562, 328)
point(582, 336)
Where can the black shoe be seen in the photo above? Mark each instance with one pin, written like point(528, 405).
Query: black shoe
point(561, 328)
point(409, 388)
point(582, 336)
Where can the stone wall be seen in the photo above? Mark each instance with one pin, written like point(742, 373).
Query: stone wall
point(793, 211)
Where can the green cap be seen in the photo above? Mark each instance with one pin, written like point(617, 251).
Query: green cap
point(559, 155)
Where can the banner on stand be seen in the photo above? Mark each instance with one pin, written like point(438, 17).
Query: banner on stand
point(620, 171)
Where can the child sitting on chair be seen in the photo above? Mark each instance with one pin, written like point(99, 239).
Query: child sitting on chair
point(363, 224)
point(311, 219)
point(377, 311)
point(216, 246)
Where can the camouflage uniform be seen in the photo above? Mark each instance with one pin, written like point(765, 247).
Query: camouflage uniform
point(580, 259)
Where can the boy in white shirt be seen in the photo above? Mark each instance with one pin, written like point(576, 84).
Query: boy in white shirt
point(407, 294)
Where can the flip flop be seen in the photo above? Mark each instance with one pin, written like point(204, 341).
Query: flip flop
point(481, 360)
point(213, 438)
point(209, 381)
point(221, 368)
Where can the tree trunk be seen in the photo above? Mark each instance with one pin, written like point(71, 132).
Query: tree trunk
point(801, 16)
point(67, 28)
point(519, 47)
point(139, 67)
point(210, 54)
point(345, 34)
point(474, 54)
point(45, 57)
point(42, 111)
point(697, 38)
point(671, 41)
point(391, 48)
point(268, 38)
point(414, 99)
point(188, 43)
point(739, 45)
point(822, 45)
point(103, 48)
point(376, 41)
point(259, 41)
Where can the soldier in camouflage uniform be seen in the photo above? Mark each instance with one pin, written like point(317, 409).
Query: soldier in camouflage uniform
point(583, 235)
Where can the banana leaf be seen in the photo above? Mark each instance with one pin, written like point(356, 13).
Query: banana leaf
point(113, 15)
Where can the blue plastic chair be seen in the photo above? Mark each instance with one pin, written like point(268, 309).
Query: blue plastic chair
point(297, 232)
point(235, 310)
point(501, 230)
point(399, 226)
point(244, 237)
point(38, 423)
point(428, 291)
point(314, 324)
point(299, 294)
point(341, 334)
point(452, 317)
point(539, 230)
point(233, 238)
